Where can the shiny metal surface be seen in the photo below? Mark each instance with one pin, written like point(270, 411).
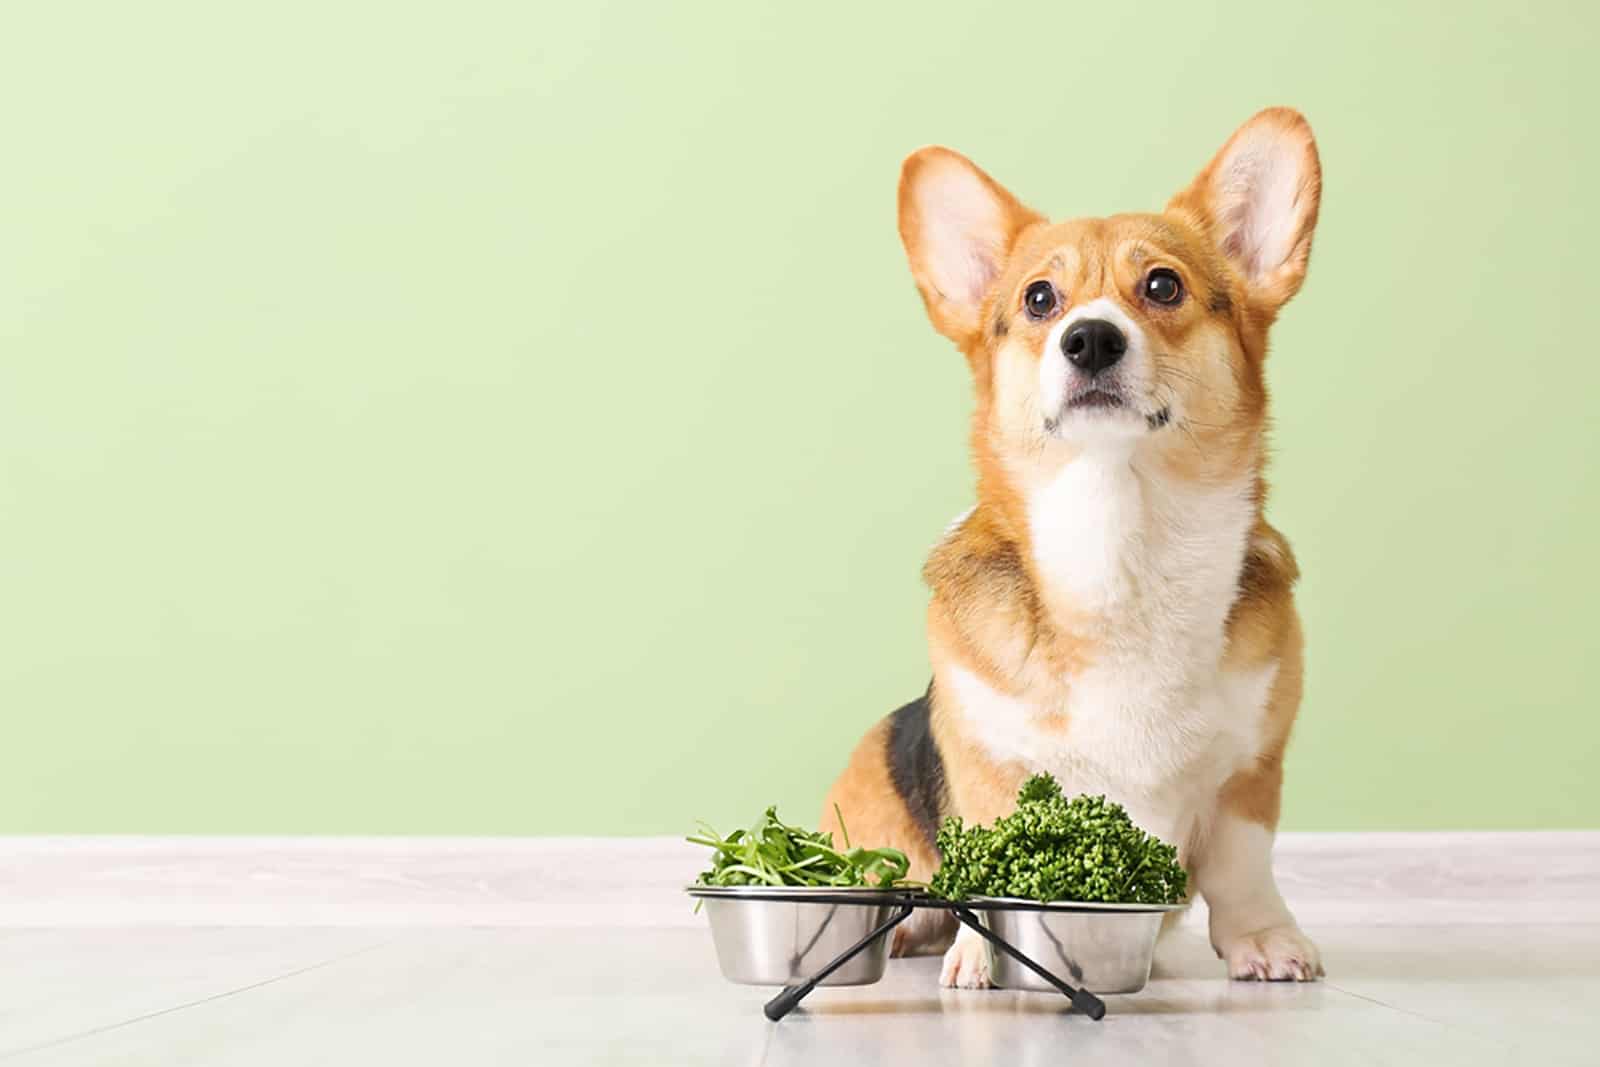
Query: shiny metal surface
point(1070, 905)
point(770, 942)
point(1101, 951)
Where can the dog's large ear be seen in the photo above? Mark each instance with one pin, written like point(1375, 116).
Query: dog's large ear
point(958, 225)
point(1258, 200)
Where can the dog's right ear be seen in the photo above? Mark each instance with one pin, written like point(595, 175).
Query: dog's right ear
point(958, 225)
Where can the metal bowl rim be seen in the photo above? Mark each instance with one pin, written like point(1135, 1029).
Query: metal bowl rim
point(781, 893)
point(1023, 904)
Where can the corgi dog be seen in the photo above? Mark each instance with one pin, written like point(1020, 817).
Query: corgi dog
point(1115, 609)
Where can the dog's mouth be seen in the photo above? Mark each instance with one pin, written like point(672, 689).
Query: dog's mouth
point(1097, 399)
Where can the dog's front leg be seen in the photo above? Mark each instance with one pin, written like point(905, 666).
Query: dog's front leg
point(966, 964)
point(1251, 927)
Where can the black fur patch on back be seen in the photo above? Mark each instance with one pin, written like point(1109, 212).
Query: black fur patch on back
point(915, 766)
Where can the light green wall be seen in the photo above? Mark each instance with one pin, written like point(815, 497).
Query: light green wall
point(519, 418)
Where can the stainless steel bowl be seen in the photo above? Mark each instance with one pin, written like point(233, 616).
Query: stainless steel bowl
point(769, 942)
point(1105, 949)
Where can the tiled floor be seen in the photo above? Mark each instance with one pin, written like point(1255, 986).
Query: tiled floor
point(228, 996)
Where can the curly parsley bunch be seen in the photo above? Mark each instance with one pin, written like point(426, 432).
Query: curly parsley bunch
point(1052, 848)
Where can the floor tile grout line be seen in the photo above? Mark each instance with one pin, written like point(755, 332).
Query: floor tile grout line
point(28, 1050)
point(1383, 1003)
point(1468, 1027)
point(1448, 1024)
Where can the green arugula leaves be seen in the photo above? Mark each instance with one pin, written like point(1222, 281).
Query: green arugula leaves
point(773, 853)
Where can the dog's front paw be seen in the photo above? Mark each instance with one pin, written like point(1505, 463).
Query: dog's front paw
point(966, 965)
point(1276, 954)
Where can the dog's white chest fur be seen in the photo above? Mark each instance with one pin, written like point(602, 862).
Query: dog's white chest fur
point(1153, 566)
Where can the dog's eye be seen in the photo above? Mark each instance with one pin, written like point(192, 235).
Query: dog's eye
point(1163, 286)
point(1040, 299)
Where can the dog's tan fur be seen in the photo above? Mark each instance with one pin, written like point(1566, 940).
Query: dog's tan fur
point(1001, 622)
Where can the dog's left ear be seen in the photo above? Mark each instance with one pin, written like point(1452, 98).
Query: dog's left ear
point(1258, 200)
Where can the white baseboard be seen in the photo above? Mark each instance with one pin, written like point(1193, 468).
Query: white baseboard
point(1409, 878)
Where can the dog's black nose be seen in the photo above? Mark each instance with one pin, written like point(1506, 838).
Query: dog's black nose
point(1092, 345)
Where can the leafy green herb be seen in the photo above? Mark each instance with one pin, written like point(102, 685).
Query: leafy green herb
point(1052, 848)
point(774, 853)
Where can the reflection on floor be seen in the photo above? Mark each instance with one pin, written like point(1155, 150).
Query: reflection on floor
point(229, 996)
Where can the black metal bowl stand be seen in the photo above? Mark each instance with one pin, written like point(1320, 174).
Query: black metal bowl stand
point(905, 904)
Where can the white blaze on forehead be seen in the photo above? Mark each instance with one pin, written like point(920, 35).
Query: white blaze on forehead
point(1103, 307)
